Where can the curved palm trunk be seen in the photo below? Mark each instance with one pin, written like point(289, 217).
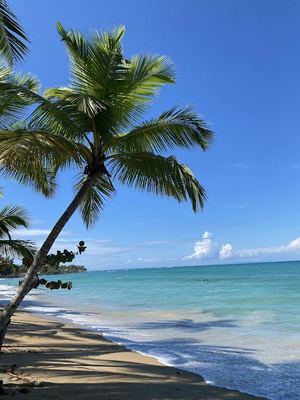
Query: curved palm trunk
point(31, 274)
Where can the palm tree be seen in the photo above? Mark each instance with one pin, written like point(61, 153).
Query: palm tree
point(12, 36)
point(12, 217)
point(96, 117)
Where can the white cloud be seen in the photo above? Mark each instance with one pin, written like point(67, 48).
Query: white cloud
point(31, 232)
point(294, 244)
point(208, 249)
point(291, 247)
point(226, 251)
point(207, 235)
point(147, 260)
point(35, 232)
point(204, 248)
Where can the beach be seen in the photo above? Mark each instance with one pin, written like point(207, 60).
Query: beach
point(57, 360)
point(234, 332)
point(138, 121)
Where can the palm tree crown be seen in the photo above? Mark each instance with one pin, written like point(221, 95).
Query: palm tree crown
point(99, 114)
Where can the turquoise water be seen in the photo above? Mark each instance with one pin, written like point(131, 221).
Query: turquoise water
point(236, 325)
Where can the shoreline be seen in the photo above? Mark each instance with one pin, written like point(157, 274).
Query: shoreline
point(64, 360)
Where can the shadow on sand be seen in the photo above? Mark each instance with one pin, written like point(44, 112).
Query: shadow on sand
point(58, 361)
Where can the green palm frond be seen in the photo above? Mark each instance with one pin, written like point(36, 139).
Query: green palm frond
point(13, 40)
point(47, 152)
point(94, 198)
point(97, 68)
point(17, 248)
point(60, 117)
point(106, 86)
point(11, 217)
point(174, 128)
point(95, 59)
point(83, 102)
point(17, 91)
point(158, 175)
point(20, 139)
point(33, 174)
point(76, 43)
point(145, 75)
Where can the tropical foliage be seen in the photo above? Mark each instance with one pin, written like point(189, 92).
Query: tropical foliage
point(12, 218)
point(98, 113)
point(13, 40)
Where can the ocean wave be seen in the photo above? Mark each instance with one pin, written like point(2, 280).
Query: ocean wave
point(232, 367)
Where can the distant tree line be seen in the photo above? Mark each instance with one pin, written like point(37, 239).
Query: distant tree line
point(54, 264)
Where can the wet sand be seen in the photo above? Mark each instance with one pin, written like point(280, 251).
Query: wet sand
point(44, 359)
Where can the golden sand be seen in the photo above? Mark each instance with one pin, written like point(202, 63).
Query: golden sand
point(57, 361)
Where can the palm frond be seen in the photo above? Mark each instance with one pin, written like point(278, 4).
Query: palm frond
point(11, 217)
point(60, 117)
point(94, 198)
point(19, 139)
point(174, 128)
point(17, 92)
point(32, 156)
point(145, 75)
point(17, 248)
point(107, 87)
point(93, 60)
point(83, 101)
point(33, 175)
point(13, 40)
point(159, 175)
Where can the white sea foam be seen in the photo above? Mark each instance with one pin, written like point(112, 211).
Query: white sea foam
point(217, 362)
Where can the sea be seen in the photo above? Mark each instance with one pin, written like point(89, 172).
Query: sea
point(238, 326)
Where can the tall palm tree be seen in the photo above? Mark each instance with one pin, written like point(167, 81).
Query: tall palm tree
point(97, 118)
point(13, 40)
point(12, 217)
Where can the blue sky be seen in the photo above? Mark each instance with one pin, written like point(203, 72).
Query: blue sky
point(238, 64)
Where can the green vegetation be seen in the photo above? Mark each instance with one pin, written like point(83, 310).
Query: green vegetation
point(8, 269)
point(12, 218)
point(12, 37)
point(53, 263)
point(95, 125)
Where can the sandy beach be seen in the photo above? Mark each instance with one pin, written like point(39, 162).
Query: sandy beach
point(44, 359)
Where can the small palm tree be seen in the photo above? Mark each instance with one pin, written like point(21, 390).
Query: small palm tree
point(12, 36)
point(93, 123)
